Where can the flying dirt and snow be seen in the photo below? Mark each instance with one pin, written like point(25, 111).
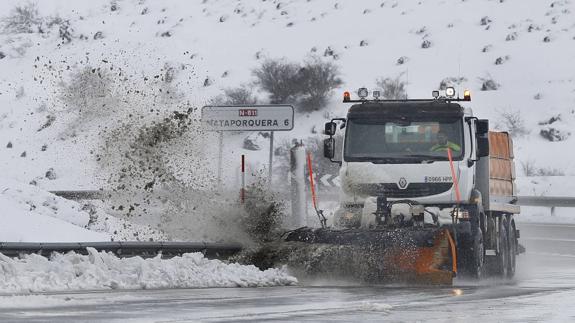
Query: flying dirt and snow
point(106, 97)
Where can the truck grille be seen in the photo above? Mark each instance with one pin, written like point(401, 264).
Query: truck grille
point(391, 190)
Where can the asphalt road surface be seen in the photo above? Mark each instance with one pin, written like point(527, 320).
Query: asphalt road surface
point(543, 290)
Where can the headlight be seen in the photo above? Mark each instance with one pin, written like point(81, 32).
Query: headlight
point(462, 214)
point(362, 93)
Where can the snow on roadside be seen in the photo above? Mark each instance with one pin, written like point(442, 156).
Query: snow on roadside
point(100, 270)
point(546, 186)
point(31, 214)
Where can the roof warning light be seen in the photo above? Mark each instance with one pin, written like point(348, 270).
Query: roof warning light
point(346, 96)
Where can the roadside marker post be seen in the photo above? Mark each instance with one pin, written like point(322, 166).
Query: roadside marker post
point(243, 189)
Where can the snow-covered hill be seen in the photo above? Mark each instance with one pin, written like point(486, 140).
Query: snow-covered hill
point(155, 57)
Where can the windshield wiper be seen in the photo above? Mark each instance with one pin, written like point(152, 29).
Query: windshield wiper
point(428, 157)
point(419, 158)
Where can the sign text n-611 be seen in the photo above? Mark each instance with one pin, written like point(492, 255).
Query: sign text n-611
point(248, 118)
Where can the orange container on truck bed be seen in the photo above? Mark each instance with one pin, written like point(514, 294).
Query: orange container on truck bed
point(501, 164)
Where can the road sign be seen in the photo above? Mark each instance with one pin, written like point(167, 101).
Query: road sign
point(248, 118)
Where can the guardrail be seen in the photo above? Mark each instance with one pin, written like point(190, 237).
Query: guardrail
point(83, 195)
point(143, 249)
point(546, 201)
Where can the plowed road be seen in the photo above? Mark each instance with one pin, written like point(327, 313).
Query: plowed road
point(543, 290)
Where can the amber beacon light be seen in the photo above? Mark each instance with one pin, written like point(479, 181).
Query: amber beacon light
point(346, 96)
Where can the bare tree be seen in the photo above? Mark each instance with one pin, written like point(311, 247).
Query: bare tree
point(512, 122)
point(280, 79)
point(23, 19)
point(318, 79)
point(239, 96)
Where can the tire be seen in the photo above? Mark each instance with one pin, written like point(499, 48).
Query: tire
point(474, 258)
point(502, 257)
point(512, 262)
point(478, 256)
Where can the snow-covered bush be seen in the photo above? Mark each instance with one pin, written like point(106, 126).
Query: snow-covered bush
point(23, 19)
point(308, 85)
point(549, 171)
point(551, 120)
point(512, 36)
point(239, 96)
point(451, 81)
point(485, 21)
point(402, 60)
point(318, 79)
point(392, 88)
point(488, 84)
point(512, 122)
point(554, 134)
point(281, 79)
point(26, 19)
point(426, 44)
point(502, 59)
point(530, 169)
point(65, 32)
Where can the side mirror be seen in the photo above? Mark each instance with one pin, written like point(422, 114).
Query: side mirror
point(482, 127)
point(482, 146)
point(329, 147)
point(330, 128)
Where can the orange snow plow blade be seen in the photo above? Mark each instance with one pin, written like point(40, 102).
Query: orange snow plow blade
point(436, 264)
point(406, 255)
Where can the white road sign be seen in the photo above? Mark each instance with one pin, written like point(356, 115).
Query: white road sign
point(248, 118)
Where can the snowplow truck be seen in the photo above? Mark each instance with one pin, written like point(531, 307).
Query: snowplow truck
point(427, 189)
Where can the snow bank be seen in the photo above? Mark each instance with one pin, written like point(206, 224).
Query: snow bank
point(31, 214)
point(100, 270)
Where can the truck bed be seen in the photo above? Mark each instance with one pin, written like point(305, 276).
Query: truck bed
point(499, 192)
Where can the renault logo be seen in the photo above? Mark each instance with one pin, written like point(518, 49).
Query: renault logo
point(402, 184)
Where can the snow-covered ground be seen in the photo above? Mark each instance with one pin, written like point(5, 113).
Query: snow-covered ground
point(30, 214)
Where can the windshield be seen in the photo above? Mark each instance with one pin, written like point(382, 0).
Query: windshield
point(407, 140)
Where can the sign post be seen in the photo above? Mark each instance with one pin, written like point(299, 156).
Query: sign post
point(248, 118)
point(220, 152)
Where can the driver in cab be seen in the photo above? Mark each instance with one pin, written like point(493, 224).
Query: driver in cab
point(443, 143)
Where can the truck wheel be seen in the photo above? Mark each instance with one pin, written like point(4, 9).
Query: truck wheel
point(473, 257)
point(512, 249)
point(502, 257)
